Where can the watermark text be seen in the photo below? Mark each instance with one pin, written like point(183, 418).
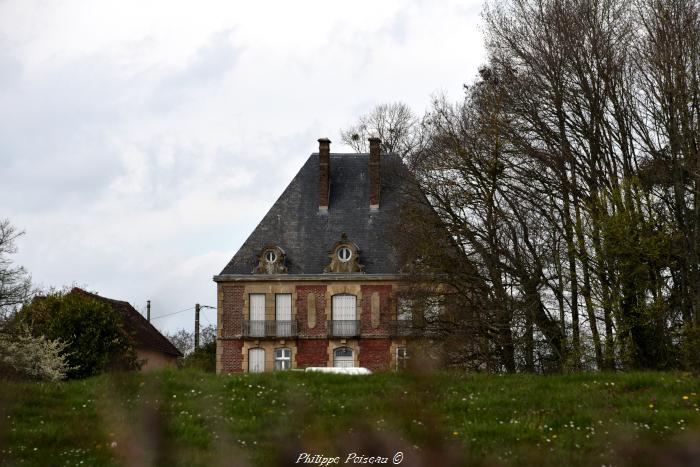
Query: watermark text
point(351, 458)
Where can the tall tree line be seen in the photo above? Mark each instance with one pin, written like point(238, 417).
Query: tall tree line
point(569, 184)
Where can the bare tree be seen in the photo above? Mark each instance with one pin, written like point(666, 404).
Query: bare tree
point(568, 183)
point(15, 283)
point(395, 124)
point(569, 177)
point(183, 339)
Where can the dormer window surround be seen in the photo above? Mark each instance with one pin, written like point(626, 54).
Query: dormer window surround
point(271, 261)
point(344, 257)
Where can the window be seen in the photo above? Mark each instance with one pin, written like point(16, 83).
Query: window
point(404, 309)
point(404, 316)
point(283, 314)
point(257, 314)
point(432, 308)
point(270, 261)
point(283, 359)
point(342, 357)
point(344, 254)
point(401, 358)
point(256, 360)
point(344, 315)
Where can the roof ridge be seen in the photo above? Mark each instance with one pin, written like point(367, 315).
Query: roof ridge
point(128, 312)
point(96, 295)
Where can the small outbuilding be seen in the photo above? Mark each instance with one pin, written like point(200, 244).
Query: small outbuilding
point(153, 350)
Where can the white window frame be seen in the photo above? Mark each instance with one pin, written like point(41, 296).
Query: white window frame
point(343, 249)
point(283, 359)
point(256, 311)
point(258, 368)
point(270, 256)
point(402, 361)
point(344, 315)
point(283, 309)
point(344, 358)
point(404, 309)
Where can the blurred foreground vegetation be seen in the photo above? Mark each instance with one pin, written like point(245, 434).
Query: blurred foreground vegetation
point(190, 417)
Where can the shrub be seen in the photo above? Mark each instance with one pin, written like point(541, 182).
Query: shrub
point(33, 357)
point(94, 332)
point(690, 344)
point(204, 358)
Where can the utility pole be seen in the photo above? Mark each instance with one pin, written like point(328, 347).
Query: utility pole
point(196, 326)
point(148, 310)
point(197, 308)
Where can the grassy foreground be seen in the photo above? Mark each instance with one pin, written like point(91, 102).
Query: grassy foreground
point(192, 418)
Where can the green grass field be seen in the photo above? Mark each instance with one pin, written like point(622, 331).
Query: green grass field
point(193, 418)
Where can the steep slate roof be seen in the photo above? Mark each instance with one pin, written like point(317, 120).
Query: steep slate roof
point(306, 236)
point(144, 333)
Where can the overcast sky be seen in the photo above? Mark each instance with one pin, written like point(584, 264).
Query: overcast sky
point(141, 142)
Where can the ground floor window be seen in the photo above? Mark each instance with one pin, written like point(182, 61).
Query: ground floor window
point(283, 359)
point(342, 357)
point(256, 360)
point(401, 358)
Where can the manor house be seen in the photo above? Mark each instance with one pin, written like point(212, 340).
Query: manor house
point(318, 281)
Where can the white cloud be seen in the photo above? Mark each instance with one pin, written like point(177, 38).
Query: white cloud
point(141, 142)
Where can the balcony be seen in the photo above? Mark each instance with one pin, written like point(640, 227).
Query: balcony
point(336, 328)
point(343, 328)
point(269, 328)
point(402, 328)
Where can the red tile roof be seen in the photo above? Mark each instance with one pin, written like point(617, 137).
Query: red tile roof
point(144, 333)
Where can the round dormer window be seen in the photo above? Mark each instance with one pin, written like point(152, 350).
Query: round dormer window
point(270, 256)
point(344, 254)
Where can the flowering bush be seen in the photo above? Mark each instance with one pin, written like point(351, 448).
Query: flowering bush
point(33, 357)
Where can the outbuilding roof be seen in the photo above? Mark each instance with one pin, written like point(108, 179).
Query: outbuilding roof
point(144, 333)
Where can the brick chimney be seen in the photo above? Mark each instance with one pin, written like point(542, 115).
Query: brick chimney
point(374, 173)
point(324, 173)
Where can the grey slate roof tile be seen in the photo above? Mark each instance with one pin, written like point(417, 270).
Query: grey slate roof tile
point(295, 224)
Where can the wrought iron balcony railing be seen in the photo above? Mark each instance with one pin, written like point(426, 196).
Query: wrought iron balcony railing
point(269, 328)
point(336, 328)
point(402, 328)
point(343, 328)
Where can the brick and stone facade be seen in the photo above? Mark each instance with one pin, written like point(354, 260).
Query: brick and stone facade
point(312, 345)
point(316, 282)
point(311, 352)
point(374, 354)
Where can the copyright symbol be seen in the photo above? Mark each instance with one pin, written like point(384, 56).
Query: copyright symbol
point(398, 457)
